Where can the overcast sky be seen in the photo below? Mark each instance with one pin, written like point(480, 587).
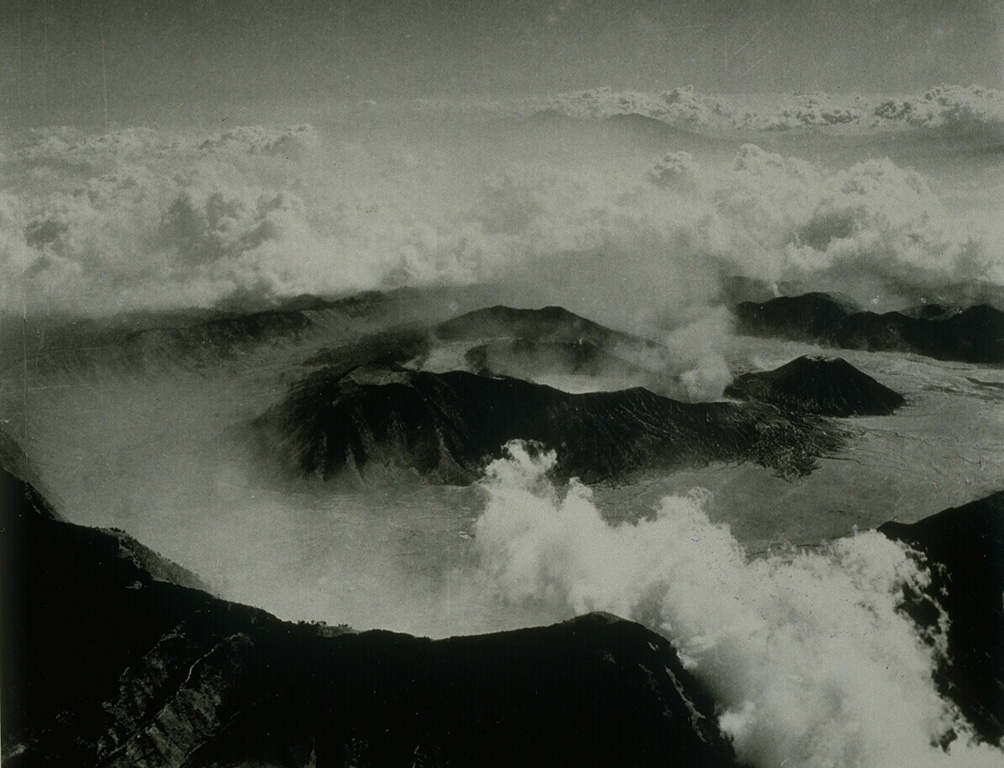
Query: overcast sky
point(180, 52)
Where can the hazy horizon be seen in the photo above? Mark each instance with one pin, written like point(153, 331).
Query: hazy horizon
point(98, 61)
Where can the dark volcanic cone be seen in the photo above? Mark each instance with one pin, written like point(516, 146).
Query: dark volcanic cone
point(827, 386)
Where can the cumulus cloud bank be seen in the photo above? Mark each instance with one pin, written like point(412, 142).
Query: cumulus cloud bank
point(142, 219)
point(873, 222)
point(943, 105)
point(808, 653)
point(152, 219)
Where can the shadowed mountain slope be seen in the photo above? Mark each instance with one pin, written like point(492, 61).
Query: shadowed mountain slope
point(827, 386)
point(972, 335)
point(448, 426)
point(965, 546)
point(104, 665)
point(79, 605)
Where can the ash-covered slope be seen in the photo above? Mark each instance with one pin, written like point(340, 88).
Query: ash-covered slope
point(972, 335)
point(21, 469)
point(154, 343)
point(827, 386)
point(965, 548)
point(448, 426)
point(104, 665)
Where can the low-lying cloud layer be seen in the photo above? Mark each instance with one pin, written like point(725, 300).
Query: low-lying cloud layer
point(153, 219)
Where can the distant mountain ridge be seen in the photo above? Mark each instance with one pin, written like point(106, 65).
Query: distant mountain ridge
point(642, 129)
point(972, 335)
point(207, 337)
point(549, 324)
point(533, 343)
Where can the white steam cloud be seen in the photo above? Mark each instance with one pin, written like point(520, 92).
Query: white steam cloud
point(807, 652)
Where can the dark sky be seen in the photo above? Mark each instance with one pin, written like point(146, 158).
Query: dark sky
point(61, 56)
